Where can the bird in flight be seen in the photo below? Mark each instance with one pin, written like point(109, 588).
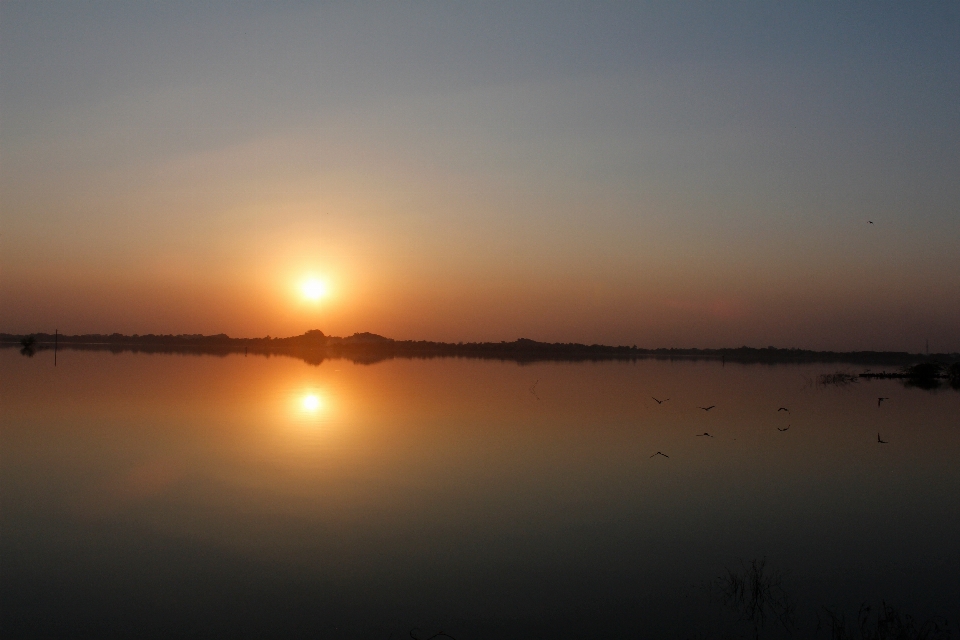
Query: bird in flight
point(870, 221)
point(700, 435)
point(779, 429)
point(659, 453)
point(881, 441)
point(879, 400)
point(708, 408)
point(783, 409)
point(660, 401)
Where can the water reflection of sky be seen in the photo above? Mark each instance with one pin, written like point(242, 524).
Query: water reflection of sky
point(356, 501)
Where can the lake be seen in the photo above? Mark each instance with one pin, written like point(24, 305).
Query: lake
point(202, 496)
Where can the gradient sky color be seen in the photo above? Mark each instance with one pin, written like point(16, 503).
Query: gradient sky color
point(668, 174)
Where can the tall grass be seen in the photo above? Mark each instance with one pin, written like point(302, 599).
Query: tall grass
point(886, 623)
point(754, 595)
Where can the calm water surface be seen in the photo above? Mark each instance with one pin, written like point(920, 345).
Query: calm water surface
point(162, 495)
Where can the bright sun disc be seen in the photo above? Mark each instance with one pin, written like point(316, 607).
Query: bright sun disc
point(314, 289)
point(311, 402)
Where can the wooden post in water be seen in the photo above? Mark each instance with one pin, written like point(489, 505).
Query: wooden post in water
point(56, 333)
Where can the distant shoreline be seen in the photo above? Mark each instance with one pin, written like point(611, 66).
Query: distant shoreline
point(314, 347)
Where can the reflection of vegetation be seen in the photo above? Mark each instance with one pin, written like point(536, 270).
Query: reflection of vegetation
point(924, 370)
point(953, 374)
point(928, 375)
point(27, 342)
point(932, 375)
point(889, 623)
point(925, 375)
point(755, 593)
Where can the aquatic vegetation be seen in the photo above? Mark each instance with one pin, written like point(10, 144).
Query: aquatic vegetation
point(838, 379)
point(929, 375)
point(953, 375)
point(755, 594)
point(887, 623)
point(924, 370)
point(756, 597)
point(925, 375)
point(932, 375)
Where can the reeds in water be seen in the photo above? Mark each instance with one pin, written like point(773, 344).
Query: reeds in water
point(886, 623)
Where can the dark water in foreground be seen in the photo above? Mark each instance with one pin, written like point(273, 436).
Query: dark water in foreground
point(165, 495)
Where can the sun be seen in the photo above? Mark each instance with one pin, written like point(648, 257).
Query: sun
point(314, 289)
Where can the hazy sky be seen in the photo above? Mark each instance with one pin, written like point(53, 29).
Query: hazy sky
point(654, 174)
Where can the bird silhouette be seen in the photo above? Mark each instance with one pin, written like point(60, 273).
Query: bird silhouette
point(708, 408)
point(783, 409)
point(660, 401)
point(881, 441)
point(870, 221)
point(879, 400)
point(659, 453)
point(700, 435)
point(533, 389)
point(779, 429)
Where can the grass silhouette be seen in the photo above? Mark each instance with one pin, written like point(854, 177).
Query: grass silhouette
point(755, 594)
point(886, 623)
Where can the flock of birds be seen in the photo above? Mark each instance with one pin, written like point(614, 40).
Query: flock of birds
point(713, 406)
point(787, 428)
point(533, 391)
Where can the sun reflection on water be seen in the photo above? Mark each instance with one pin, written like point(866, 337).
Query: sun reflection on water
point(311, 403)
point(311, 407)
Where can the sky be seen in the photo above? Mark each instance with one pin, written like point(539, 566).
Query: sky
point(658, 174)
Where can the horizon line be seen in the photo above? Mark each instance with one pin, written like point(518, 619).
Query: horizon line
point(370, 339)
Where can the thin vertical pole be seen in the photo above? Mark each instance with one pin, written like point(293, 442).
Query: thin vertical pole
point(55, 340)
